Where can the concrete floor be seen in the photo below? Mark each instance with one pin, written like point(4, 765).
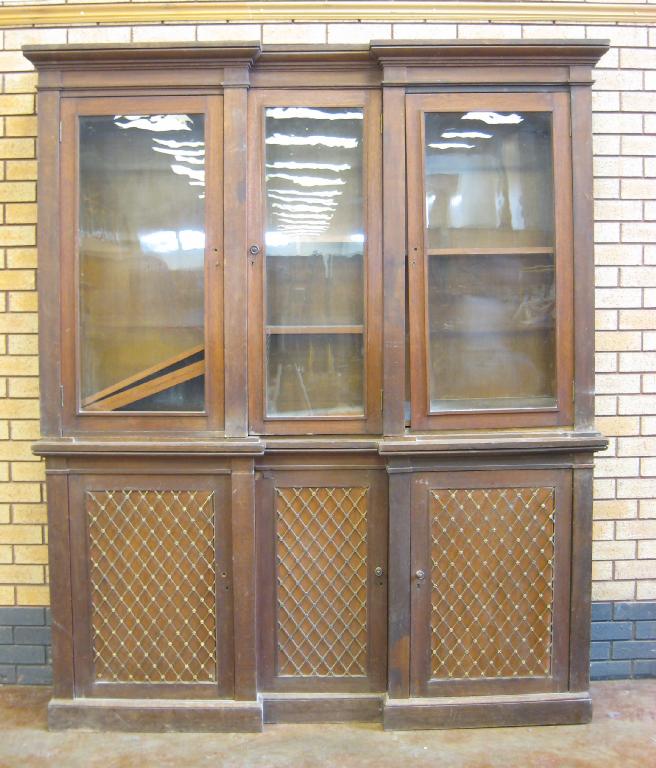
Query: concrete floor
point(623, 733)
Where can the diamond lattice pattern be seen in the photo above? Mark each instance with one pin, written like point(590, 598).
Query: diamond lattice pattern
point(151, 556)
point(492, 557)
point(321, 559)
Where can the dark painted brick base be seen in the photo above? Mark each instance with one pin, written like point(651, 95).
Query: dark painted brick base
point(623, 643)
point(25, 646)
point(623, 640)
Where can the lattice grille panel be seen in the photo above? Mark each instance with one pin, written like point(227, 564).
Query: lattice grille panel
point(321, 560)
point(151, 563)
point(492, 552)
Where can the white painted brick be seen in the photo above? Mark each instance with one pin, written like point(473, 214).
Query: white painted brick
point(650, 166)
point(606, 189)
point(614, 467)
point(617, 80)
point(637, 101)
point(647, 549)
point(636, 569)
point(621, 35)
point(649, 340)
point(604, 488)
point(425, 31)
point(616, 122)
point(631, 362)
point(650, 81)
point(613, 590)
point(638, 405)
point(618, 297)
point(99, 35)
point(358, 33)
point(613, 550)
point(636, 529)
point(638, 58)
point(606, 319)
point(602, 570)
point(649, 383)
point(649, 254)
point(636, 488)
point(638, 276)
point(606, 362)
point(649, 297)
point(15, 39)
point(605, 405)
point(615, 210)
point(644, 232)
point(606, 277)
point(648, 466)
point(647, 508)
point(293, 33)
point(639, 145)
point(646, 590)
point(222, 32)
point(606, 232)
point(553, 31)
point(164, 33)
point(650, 210)
point(489, 31)
point(618, 254)
point(605, 101)
point(607, 145)
point(638, 445)
point(638, 189)
point(617, 167)
point(649, 123)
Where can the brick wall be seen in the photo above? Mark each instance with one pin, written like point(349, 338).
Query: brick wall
point(624, 103)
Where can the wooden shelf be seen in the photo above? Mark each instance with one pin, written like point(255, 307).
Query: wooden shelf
point(514, 251)
point(313, 329)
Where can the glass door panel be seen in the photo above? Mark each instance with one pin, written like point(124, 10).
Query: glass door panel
point(314, 267)
point(141, 262)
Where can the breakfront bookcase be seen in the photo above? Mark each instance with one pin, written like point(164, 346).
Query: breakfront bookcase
point(316, 363)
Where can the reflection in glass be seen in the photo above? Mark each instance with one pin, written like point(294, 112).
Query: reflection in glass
point(141, 256)
point(492, 331)
point(314, 261)
point(314, 374)
point(489, 179)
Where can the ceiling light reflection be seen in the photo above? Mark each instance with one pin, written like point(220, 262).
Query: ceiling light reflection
point(288, 113)
point(494, 118)
point(284, 140)
point(306, 181)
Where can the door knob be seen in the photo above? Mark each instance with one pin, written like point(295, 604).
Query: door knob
point(421, 575)
point(378, 571)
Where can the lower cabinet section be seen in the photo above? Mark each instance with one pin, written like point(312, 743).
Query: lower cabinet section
point(221, 593)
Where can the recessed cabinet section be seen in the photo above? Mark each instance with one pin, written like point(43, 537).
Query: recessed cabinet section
point(317, 382)
point(490, 581)
point(142, 339)
point(322, 579)
point(490, 260)
point(152, 577)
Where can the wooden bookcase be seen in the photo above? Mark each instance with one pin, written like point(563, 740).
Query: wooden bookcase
point(317, 382)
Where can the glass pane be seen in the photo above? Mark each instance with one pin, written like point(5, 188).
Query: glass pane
point(492, 331)
point(313, 374)
point(489, 179)
point(141, 255)
point(315, 244)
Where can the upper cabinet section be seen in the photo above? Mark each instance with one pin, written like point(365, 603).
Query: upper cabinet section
point(240, 242)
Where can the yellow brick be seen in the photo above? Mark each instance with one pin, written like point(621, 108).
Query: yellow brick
point(16, 450)
point(358, 33)
point(28, 471)
point(163, 33)
point(646, 590)
point(608, 509)
point(18, 235)
point(637, 569)
point(21, 574)
point(4, 430)
point(14, 61)
point(107, 35)
point(613, 550)
point(21, 534)
point(7, 596)
point(6, 553)
point(23, 301)
point(21, 258)
point(602, 530)
point(21, 83)
point(3, 298)
point(20, 213)
point(613, 590)
point(17, 147)
point(614, 426)
point(24, 386)
point(29, 513)
point(25, 430)
point(20, 324)
point(21, 170)
point(4, 513)
point(35, 554)
point(30, 492)
point(602, 570)
point(23, 344)
point(4, 471)
point(18, 366)
point(17, 104)
point(636, 529)
point(293, 33)
point(617, 341)
point(17, 191)
point(33, 595)
point(17, 38)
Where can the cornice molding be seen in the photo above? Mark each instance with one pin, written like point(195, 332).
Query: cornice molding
point(249, 11)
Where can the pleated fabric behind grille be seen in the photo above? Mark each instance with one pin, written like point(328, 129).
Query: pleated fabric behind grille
point(152, 575)
point(321, 564)
point(492, 552)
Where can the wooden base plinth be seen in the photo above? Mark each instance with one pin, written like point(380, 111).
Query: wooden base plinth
point(155, 716)
point(487, 711)
point(322, 708)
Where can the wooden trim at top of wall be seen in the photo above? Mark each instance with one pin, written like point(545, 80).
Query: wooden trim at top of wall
point(189, 11)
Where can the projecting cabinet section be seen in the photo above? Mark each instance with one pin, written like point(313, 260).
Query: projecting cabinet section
point(316, 382)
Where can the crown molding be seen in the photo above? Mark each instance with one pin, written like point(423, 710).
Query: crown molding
point(249, 11)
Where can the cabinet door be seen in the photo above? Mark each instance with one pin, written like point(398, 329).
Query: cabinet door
point(141, 304)
point(152, 586)
point(490, 582)
point(490, 260)
point(315, 265)
point(322, 581)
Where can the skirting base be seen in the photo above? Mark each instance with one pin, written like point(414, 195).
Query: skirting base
point(155, 716)
point(487, 711)
point(322, 708)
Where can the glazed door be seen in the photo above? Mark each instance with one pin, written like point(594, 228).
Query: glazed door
point(152, 585)
point(315, 275)
point(322, 580)
point(490, 562)
point(490, 260)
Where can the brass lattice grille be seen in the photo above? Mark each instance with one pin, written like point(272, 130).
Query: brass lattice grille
point(151, 563)
point(492, 554)
point(321, 559)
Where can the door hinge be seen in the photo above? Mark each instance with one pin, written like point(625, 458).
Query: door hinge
point(60, 131)
point(61, 394)
point(381, 400)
